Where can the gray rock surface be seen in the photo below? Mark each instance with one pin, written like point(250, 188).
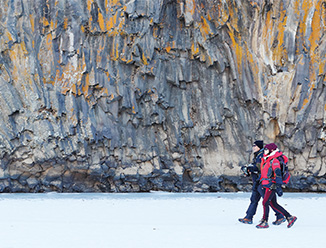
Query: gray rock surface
point(140, 95)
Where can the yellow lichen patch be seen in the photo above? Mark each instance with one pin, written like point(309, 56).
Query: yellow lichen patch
point(104, 92)
point(233, 20)
point(114, 3)
point(297, 7)
point(156, 31)
point(237, 49)
point(253, 65)
point(45, 22)
point(31, 19)
point(323, 15)
point(85, 87)
point(209, 60)
point(133, 110)
point(204, 28)
point(209, 17)
point(321, 67)
point(316, 30)
point(89, 5)
point(305, 101)
point(144, 59)
point(170, 46)
point(65, 23)
point(314, 40)
point(9, 36)
point(126, 59)
point(121, 25)
point(23, 47)
point(110, 24)
point(74, 89)
point(101, 21)
point(98, 54)
point(15, 72)
point(202, 57)
point(106, 4)
point(279, 52)
point(266, 33)
point(53, 25)
point(20, 72)
point(100, 18)
point(116, 57)
point(194, 49)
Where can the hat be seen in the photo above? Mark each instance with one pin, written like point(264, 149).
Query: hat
point(259, 143)
point(271, 147)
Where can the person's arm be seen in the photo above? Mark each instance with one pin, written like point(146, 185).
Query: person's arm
point(276, 166)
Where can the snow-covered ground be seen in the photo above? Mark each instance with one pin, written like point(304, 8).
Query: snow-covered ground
point(154, 220)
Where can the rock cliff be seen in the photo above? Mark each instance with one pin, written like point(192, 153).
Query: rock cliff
point(140, 95)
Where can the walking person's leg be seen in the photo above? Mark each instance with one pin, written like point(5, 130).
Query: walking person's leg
point(291, 219)
point(254, 200)
point(269, 194)
point(279, 217)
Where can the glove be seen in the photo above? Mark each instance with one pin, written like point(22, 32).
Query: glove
point(273, 186)
point(279, 190)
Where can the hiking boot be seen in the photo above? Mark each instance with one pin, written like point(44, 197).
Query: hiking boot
point(246, 220)
point(279, 221)
point(263, 224)
point(291, 220)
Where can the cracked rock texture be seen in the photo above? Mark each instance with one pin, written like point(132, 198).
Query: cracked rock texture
point(140, 95)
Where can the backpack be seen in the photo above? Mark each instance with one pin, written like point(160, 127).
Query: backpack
point(284, 169)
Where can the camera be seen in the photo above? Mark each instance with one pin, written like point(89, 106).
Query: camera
point(248, 169)
point(245, 170)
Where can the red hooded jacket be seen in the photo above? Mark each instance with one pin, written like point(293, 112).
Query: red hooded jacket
point(269, 171)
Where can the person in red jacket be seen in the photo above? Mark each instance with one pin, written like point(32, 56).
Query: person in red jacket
point(271, 181)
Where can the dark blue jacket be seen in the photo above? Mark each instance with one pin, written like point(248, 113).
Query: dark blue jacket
point(255, 169)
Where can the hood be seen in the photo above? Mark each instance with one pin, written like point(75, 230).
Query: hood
point(274, 154)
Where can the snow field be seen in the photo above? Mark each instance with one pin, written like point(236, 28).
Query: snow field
point(154, 220)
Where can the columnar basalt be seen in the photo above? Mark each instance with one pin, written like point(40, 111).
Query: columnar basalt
point(140, 95)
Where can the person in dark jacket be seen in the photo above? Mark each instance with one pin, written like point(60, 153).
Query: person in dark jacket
point(271, 181)
point(253, 170)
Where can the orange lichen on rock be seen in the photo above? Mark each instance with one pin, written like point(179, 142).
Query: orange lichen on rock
point(237, 50)
point(280, 52)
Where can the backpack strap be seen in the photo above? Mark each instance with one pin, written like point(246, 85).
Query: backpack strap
point(277, 172)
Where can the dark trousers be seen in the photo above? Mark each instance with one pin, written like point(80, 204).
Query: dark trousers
point(256, 194)
point(270, 200)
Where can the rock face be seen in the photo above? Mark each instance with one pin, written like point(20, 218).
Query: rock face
point(139, 95)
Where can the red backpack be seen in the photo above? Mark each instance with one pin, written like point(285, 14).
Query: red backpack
point(284, 168)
